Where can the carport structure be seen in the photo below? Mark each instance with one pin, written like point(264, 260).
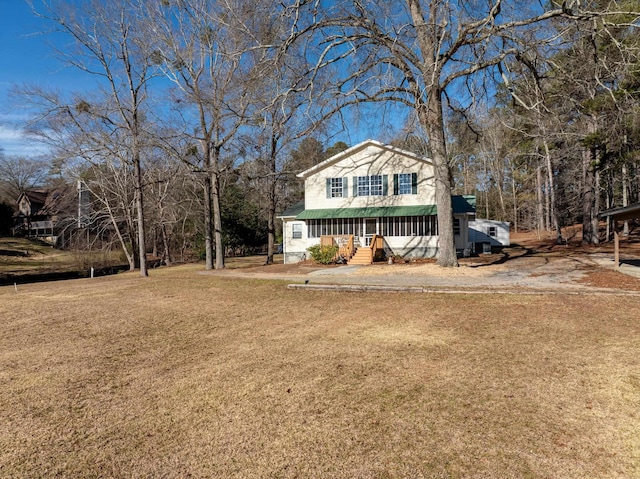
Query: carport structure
point(620, 214)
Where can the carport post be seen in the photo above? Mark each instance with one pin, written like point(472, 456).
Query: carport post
point(620, 214)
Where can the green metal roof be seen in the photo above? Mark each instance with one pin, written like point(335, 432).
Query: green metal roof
point(461, 204)
point(367, 212)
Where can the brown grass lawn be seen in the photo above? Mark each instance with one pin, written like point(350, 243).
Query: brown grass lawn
point(41, 258)
point(186, 375)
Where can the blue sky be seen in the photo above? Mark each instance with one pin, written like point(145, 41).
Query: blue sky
point(26, 57)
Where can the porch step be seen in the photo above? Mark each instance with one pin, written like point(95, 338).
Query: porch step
point(362, 256)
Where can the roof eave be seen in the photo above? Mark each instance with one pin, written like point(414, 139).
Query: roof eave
point(624, 213)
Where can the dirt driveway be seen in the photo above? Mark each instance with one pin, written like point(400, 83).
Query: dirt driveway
point(516, 269)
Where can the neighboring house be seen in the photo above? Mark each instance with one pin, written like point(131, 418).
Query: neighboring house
point(51, 214)
point(372, 189)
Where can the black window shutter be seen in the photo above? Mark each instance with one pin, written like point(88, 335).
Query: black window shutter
point(385, 185)
point(395, 184)
point(414, 183)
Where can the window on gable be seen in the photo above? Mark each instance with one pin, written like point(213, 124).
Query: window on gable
point(336, 187)
point(493, 231)
point(370, 185)
point(405, 184)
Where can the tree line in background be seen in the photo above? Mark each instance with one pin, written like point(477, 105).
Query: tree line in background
point(204, 111)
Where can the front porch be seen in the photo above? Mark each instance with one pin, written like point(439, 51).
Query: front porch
point(350, 250)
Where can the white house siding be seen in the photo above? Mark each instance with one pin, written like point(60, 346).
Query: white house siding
point(294, 249)
point(365, 160)
point(496, 233)
point(405, 246)
point(370, 161)
point(24, 206)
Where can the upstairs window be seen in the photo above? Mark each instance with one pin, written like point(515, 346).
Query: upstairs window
point(493, 231)
point(337, 187)
point(405, 184)
point(375, 185)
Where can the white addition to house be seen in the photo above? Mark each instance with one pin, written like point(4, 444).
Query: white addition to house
point(372, 189)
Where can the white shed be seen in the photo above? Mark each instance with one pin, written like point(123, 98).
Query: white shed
point(488, 234)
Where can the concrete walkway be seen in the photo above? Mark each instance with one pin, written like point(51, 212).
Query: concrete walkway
point(523, 274)
point(355, 288)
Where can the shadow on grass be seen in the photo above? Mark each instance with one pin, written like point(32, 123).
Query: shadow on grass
point(41, 277)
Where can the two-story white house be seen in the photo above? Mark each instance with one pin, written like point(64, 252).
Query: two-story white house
point(372, 189)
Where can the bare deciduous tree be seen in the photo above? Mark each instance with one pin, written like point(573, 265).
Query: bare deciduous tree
point(204, 47)
point(110, 46)
point(18, 174)
point(422, 53)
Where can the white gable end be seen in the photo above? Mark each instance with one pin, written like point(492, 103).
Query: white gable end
point(370, 161)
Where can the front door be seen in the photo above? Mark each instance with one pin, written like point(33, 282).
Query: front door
point(370, 229)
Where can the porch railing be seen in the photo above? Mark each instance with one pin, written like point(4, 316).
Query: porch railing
point(345, 244)
point(377, 243)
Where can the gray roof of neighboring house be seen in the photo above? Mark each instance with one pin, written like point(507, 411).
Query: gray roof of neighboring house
point(624, 213)
point(293, 210)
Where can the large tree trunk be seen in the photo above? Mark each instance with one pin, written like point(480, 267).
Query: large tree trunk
point(607, 204)
point(208, 225)
point(553, 207)
point(540, 223)
point(142, 246)
point(595, 221)
point(133, 232)
point(217, 220)
point(433, 122)
point(217, 212)
point(431, 119)
point(166, 254)
point(625, 196)
point(271, 235)
point(588, 197)
point(271, 206)
point(514, 199)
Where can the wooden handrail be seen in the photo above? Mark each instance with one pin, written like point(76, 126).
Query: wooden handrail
point(377, 242)
point(346, 245)
point(346, 250)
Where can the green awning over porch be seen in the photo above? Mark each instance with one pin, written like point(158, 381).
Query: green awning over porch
point(461, 205)
point(368, 212)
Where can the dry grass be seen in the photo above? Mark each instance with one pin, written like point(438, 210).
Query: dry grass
point(23, 256)
point(186, 375)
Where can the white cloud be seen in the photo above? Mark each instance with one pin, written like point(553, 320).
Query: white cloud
point(14, 143)
point(13, 117)
point(9, 134)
